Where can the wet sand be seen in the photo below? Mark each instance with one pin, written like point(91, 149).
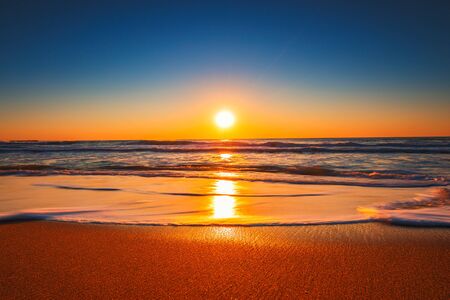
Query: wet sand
point(363, 261)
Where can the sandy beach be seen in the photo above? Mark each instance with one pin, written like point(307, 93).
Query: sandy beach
point(364, 261)
point(224, 150)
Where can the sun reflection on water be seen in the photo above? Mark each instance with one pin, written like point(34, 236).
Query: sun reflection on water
point(224, 204)
point(226, 174)
point(225, 156)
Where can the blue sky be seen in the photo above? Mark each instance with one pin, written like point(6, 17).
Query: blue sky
point(57, 45)
point(62, 59)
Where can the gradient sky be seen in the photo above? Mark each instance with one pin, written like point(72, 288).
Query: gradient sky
point(162, 69)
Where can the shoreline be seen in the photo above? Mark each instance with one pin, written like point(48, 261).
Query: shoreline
point(179, 201)
point(43, 259)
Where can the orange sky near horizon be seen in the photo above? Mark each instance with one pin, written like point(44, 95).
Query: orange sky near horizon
point(188, 113)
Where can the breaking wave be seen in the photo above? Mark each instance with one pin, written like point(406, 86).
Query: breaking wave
point(310, 149)
point(267, 173)
point(430, 209)
point(358, 142)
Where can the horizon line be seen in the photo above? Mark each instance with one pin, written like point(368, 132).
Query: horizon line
point(218, 139)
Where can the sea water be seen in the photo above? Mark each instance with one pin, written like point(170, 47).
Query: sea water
point(231, 182)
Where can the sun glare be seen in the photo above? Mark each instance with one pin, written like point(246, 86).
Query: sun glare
point(224, 119)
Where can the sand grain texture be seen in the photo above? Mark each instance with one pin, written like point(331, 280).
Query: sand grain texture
point(371, 261)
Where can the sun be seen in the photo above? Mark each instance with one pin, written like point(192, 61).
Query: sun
point(224, 119)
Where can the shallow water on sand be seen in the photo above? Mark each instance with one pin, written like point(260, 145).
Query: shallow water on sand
point(198, 201)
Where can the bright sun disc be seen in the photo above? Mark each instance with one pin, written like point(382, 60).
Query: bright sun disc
point(224, 119)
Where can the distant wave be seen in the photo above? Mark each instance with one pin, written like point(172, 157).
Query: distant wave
point(279, 144)
point(30, 167)
point(357, 142)
point(309, 149)
point(365, 146)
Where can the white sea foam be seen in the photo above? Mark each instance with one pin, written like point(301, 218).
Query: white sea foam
point(426, 209)
point(53, 213)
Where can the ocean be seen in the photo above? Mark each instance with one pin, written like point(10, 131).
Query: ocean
point(228, 182)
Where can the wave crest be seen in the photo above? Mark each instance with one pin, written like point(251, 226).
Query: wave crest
point(289, 174)
point(431, 209)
